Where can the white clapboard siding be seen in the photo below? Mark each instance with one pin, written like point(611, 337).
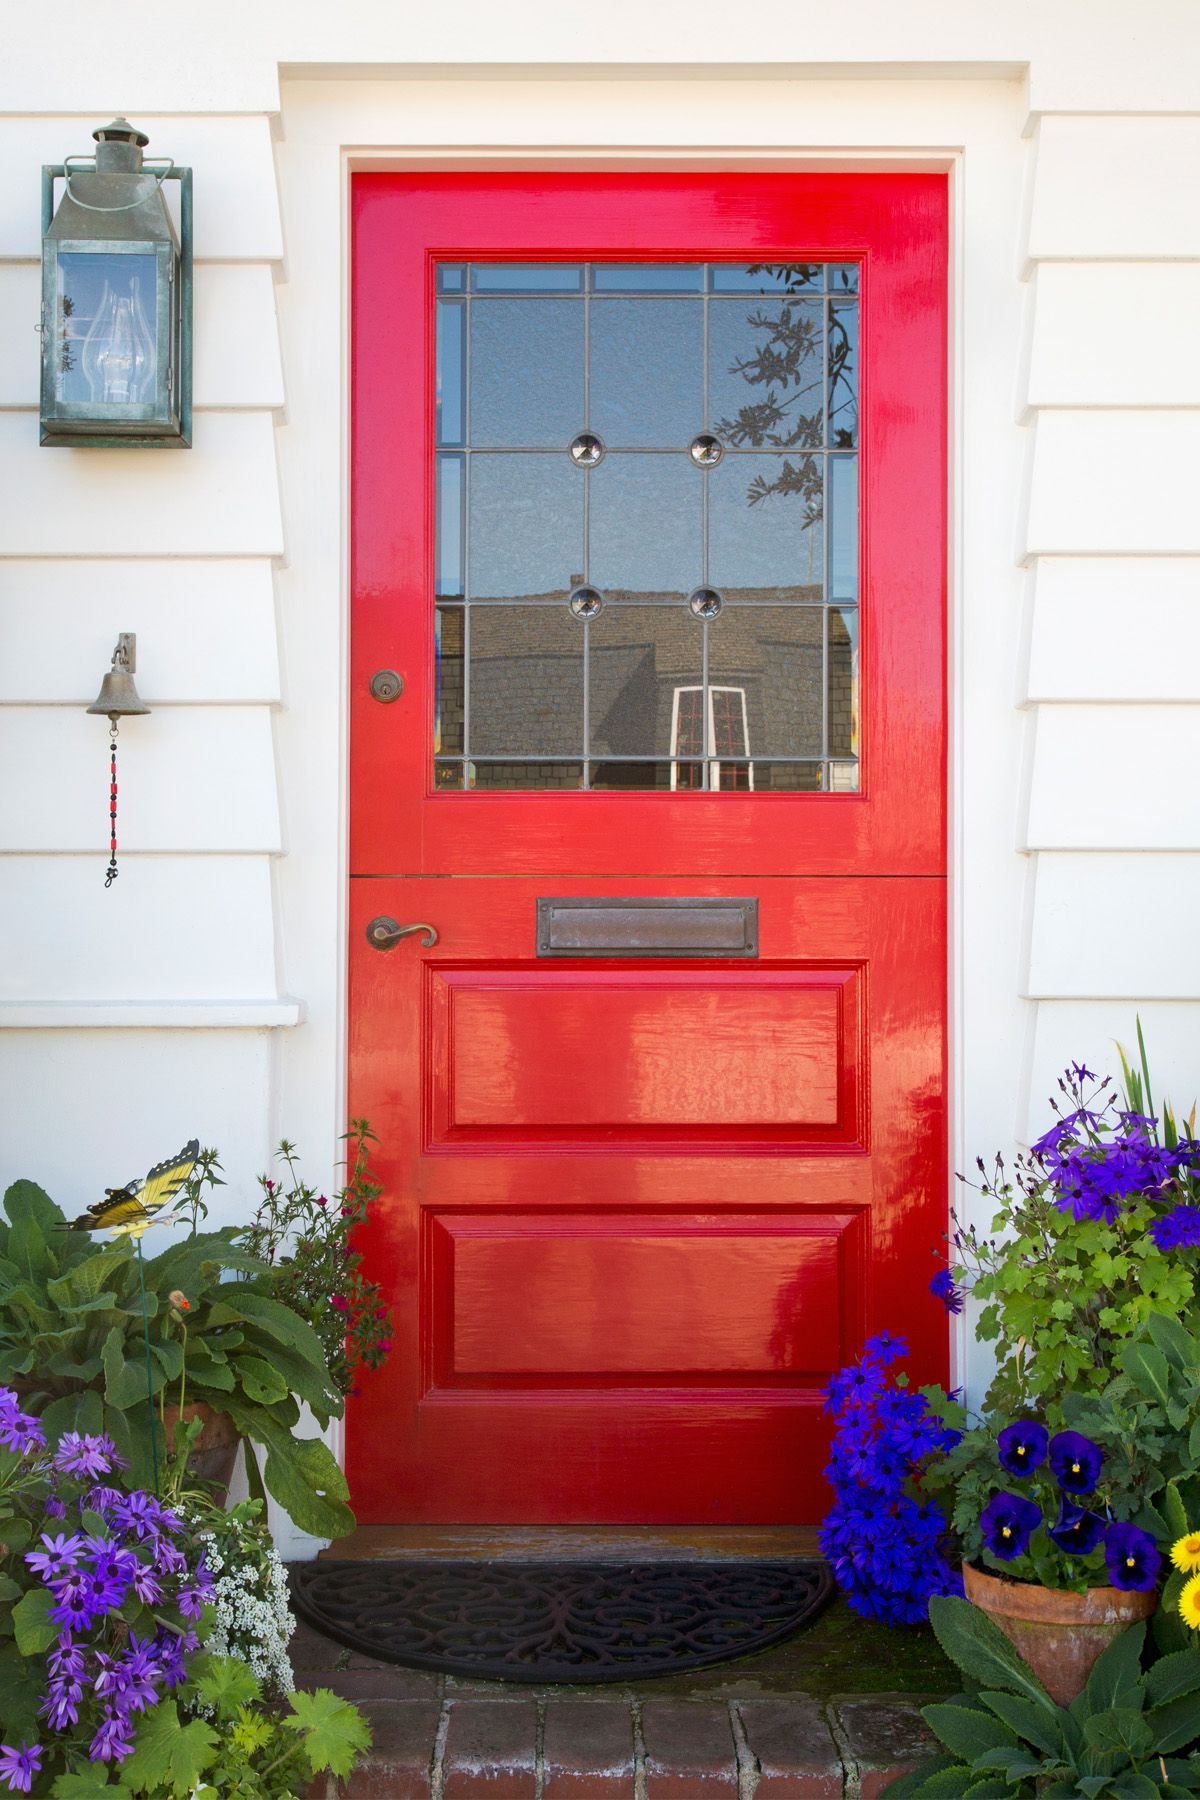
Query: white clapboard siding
point(190, 778)
point(158, 933)
point(1118, 482)
point(1117, 187)
point(84, 1110)
point(236, 197)
point(1116, 334)
point(236, 336)
point(220, 498)
point(1088, 1031)
point(1115, 628)
point(1108, 924)
point(205, 629)
point(1115, 777)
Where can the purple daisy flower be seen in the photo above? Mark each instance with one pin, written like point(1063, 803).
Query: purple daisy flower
point(18, 1767)
point(942, 1288)
point(1178, 1229)
point(113, 1741)
point(85, 1455)
point(60, 1556)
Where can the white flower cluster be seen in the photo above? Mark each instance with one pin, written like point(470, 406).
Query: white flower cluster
point(250, 1598)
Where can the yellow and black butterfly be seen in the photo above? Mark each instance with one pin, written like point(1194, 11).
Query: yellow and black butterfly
point(136, 1205)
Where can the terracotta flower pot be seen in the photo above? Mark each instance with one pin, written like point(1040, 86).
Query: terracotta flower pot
point(1059, 1634)
point(215, 1450)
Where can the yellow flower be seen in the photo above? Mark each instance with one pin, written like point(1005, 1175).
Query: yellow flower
point(1185, 1553)
point(1189, 1603)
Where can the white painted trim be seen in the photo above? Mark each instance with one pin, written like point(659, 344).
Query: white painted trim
point(133, 1015)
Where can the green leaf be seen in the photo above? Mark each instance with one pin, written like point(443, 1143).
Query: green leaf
point(94, 1525)
point(167, 1756)
point(1148, 1367)
point(35, 1630)
point(980, 1648)
point(992, 1787)
point(1175, 1724)
point(22, 1682)
point(1040, 1725)
point(126, 1378)
point(36, 1222)
point(260, 1379)
point(1194, 1442)
point(334, 1732)
point(946, 1784)
point(225, 1682)
point(281, 1323)
point(87, 1784)
point(300, 1472)
point(14, 1535)
point(1177, 1345)
point(1117, 1669)
point(1134, 1786)
point(1121, 1729)
point(73, 1412)
point(967, 1732)
point(1172, 1676)
point(1174, 1512)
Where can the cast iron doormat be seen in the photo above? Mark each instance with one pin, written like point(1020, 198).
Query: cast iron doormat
point(561, 1622)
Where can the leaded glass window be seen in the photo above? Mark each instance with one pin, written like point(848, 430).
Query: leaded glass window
point(647, 527)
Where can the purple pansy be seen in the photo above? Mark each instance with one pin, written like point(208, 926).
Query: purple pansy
point(1132, 1558)
point(1022, 1446)
point(1076, 1530)
point(1008, 1522)
point(1075, 1461)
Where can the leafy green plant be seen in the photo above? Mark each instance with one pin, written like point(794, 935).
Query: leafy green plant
point(1118, 1741)
point(71, 1345)
point(305, 1238)
point(1095, 1230)
point(241, 1752)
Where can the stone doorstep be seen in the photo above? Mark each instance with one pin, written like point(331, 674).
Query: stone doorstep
point(506, 1747)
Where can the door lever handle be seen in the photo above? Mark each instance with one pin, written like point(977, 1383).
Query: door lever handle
point(385, 933)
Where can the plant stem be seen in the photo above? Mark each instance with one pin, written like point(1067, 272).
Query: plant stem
point(149, 1375)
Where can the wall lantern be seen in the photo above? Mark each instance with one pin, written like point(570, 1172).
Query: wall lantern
point(116, 299)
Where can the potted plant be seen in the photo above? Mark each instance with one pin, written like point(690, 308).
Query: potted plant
point(83, 1352)
point(1063, 1498)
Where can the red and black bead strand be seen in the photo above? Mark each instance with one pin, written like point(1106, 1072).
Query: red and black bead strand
point(111, 876)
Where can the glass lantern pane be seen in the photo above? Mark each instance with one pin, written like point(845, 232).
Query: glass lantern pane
point(106, 350)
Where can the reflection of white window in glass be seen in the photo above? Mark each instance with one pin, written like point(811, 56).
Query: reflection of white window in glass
point(728, 737)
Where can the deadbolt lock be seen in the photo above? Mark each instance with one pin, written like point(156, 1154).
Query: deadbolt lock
point(386, 685)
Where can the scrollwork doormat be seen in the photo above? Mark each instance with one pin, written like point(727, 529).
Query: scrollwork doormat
point(550, 1622)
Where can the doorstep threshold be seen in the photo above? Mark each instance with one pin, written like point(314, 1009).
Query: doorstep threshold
point(559, 1543)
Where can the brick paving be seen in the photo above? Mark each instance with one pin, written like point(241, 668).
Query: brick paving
point(440, 1738)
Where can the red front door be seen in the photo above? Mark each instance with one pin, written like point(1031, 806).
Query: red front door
point(649, 517)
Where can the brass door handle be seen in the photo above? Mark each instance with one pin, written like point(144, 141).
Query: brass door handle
point(384, 933)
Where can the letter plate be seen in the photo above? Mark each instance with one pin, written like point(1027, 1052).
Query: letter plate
point(582, 926)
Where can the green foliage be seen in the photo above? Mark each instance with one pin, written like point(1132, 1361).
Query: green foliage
point(1117, 1741)
point(1060, 1296)
point(306, 1240)
point(244, 1753)
point(71, 1344)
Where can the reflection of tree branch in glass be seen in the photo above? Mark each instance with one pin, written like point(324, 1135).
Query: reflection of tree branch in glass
point(118, 351)
point(66, 362)
point(787, 364)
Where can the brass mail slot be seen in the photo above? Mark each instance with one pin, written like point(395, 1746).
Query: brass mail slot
point(580, 926)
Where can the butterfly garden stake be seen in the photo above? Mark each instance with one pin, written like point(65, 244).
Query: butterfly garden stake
point(129, 1211)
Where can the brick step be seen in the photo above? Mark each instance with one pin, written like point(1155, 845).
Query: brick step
point(512, 1745)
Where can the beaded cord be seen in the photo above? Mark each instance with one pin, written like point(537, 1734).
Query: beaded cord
point(111, 876)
